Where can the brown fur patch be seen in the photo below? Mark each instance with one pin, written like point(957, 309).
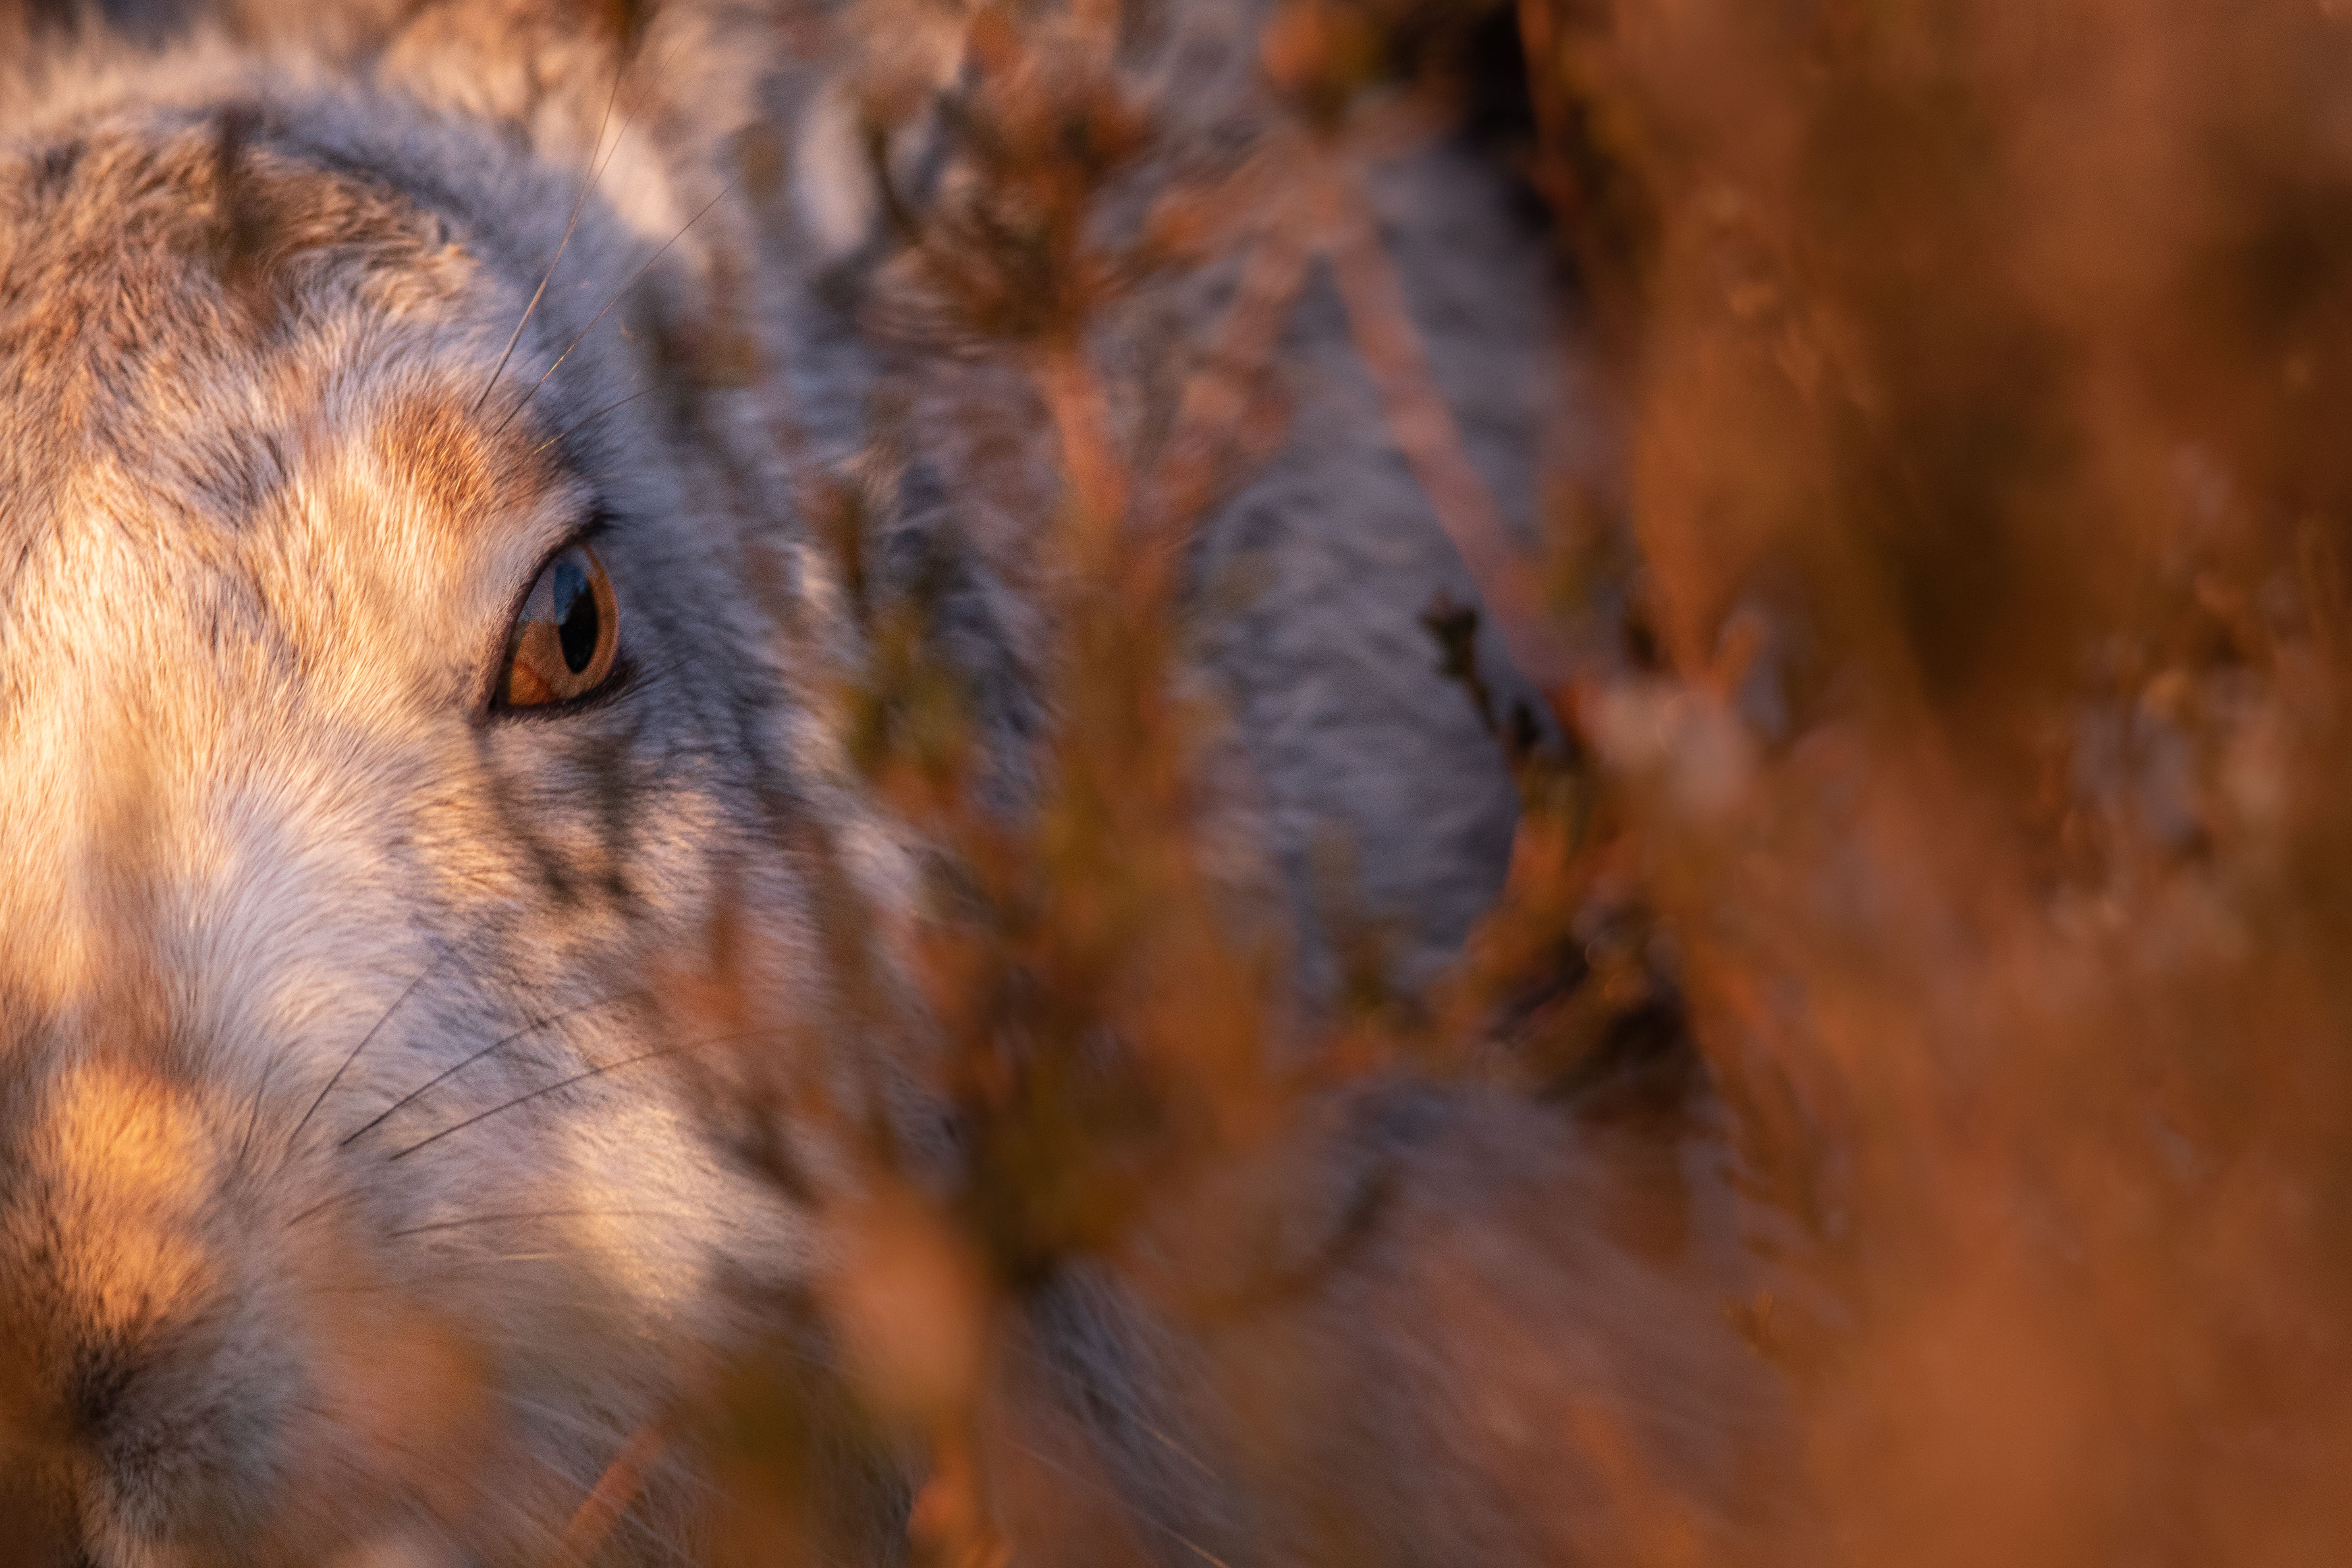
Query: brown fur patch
point(460, 469)
point(429, 445)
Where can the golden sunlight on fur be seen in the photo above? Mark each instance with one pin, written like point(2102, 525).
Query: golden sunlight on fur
point(1036, 783)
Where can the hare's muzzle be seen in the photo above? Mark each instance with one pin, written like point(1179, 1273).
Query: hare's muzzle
point(192, 1369)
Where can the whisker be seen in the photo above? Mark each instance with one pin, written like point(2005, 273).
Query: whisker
point(321, 1206)
point(447, 1073)
point(539, 1214)
point(543, 1532)
point(594, 177)
point(618, 295)
point(605, 1436)
point(559, 1545)
point(587, 180)
point(1141, 1515)
point(579, 425)
point(604, 1432)
point(578, 1077)
point(410, 1282)
point(669, 1550)
point(441, 956)
point(253, 1116)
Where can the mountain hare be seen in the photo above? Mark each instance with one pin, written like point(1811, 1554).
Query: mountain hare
point(416, 643)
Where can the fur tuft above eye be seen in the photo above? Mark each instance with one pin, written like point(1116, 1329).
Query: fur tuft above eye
point(565, 638)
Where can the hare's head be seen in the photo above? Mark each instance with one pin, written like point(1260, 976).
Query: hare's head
point(390, 695)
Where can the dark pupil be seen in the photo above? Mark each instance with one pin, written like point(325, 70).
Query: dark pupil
point(575, 616)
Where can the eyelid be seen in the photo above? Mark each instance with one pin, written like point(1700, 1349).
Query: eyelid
point(615, 686)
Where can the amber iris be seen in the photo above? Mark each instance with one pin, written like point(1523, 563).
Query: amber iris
point(565, 638)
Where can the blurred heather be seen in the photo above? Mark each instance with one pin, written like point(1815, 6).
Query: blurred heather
point(1939, 786)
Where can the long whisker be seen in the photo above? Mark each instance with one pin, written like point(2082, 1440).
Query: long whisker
point(595, 177)
point(440, 956)
point(253, 1116)
point(447, 1073)
point(333, 1201)
point(604, 1432)
point(459, 1478)
point(572, 429)
point(588, 178)
point(1142, 1515)
point(641, 1531)
point(578, 1078)
point(538, 1215)
point(618, 295)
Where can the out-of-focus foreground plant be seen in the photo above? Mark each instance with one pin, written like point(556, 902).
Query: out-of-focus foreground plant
point(1953, 691)
point(1988, 377)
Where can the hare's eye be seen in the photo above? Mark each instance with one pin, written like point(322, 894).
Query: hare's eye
point(563, 641)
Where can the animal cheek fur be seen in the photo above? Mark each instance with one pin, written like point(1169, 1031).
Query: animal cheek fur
point(411, 1399)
